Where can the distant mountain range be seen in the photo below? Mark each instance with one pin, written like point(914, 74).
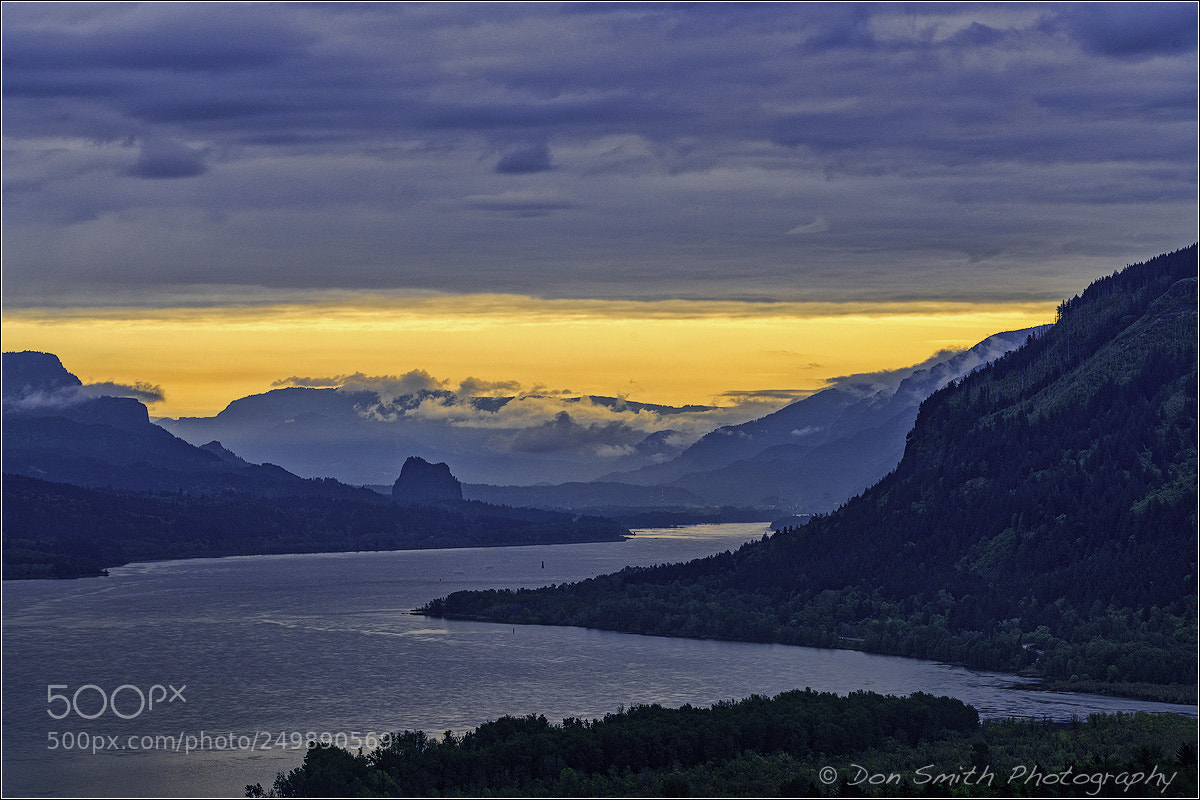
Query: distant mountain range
point(55, 430)
point(359, 436)
point(60, 431)
point(90, 483)
point(1043, 517)
point(597, 453)
point(808, 457)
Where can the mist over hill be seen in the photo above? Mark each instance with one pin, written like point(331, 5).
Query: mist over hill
point(360, 429)
point(814, 454)
point(808, 457)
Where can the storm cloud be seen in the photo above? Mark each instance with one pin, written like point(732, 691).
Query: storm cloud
point(624, 151)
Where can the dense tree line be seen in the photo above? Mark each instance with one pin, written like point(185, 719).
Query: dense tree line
point(60, 530)
point(1043, 517)
point(762, 747)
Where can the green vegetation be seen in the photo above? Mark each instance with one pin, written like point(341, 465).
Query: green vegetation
point(54, 530)
point(760, 747)
point(1043, 519)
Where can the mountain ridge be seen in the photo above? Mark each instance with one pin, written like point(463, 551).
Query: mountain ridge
point(817, 415)
point(90, 483)
point(358, 435)
point(853, 434)
point(54, 431)
point(1043, 518)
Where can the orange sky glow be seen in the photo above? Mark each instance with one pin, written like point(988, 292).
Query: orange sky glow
point(671, 352)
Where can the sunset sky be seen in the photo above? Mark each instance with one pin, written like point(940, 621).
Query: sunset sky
point(673, 203)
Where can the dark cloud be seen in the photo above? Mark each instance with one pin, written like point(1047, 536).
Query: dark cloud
point(310, 383)
point(841, 26)
point(521, 204)
point(776, 396)
point(163, 40)
point(141, 390)
point(535, 158)
point(476, 387)
point(650, 150)
point(166, 159)
point(387, 386)
point(1133, 30)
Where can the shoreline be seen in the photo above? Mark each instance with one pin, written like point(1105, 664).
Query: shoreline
point(1166, 693)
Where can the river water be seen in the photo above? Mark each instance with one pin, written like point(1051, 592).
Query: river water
point(197, 677)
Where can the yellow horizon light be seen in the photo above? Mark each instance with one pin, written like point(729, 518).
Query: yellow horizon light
point(672, 352)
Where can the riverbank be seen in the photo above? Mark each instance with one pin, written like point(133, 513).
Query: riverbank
point(1182, 694)
point(1173, 693)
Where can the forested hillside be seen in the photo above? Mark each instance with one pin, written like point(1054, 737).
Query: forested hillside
point(798, 744)
point(1043, 517)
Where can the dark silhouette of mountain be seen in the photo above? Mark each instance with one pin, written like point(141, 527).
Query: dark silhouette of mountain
point(32, 376)
point(814, 454)
point(54, 431)
point(90, 483)
point(311, 431)
point(359, 436)
point(219, 450)
point(422, 482)
point(1044, 516)
point(290, 403)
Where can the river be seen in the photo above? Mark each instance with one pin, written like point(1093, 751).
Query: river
point(197, 677)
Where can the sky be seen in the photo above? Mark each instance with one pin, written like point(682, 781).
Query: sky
point(673, 203)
